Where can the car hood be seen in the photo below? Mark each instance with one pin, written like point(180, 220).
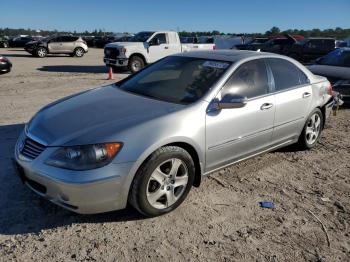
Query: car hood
point(331, 71)
point(94, 116)
point(125, 44)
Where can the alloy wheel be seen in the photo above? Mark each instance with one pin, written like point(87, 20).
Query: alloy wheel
point(41, 52)
point(167, 183)
point(79, 52)
point(313, 129)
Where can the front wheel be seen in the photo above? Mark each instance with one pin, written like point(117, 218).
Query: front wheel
point(79, 52)
point(41, 52)
point(163, 182)
point(312, 130)
point(136, 63)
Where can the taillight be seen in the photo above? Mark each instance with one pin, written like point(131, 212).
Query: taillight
point(330, 90)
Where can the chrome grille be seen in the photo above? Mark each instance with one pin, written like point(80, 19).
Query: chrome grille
point(31, 148)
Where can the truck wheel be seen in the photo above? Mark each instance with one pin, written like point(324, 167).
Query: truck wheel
point(79, 52)
point(311, 131)
point(162, 182)
point(135, 64)
point(41, 52)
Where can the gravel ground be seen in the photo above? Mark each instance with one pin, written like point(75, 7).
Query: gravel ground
point(220, 221)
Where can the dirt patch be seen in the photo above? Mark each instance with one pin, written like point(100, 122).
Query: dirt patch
point(220, 221)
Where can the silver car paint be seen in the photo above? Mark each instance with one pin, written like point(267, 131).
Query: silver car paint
point(108, 114)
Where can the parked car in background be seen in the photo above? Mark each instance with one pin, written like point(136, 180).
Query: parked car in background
point(100, 42)
point(5, 65)
point(341, 43)
point(65, 44)
point(20, 41)
point(4, 42)
point(89, 40)
point(145, 48)
point(336, 67)
point(253, 45)
point(309, 49)
point(278, 45)
point(149, 138)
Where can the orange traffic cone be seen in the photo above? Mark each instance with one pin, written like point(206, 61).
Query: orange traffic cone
point(110, 73)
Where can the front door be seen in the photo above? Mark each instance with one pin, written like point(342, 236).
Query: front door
point(55, 45)
point(235, 133)
point(158, 48)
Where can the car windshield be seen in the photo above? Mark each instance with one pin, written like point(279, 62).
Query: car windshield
point(141, 37)
point(175, 79)
point(338, 57)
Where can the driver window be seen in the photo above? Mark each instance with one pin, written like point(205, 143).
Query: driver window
point(161, 37)
point(249, 80)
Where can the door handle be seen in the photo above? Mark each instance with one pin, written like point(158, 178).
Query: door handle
point(306, 94)
point(166, 47)
point(266, 106)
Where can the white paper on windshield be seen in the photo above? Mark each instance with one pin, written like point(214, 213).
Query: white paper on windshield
point(215, 64)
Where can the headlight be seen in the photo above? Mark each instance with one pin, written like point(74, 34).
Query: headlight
point(84, 157)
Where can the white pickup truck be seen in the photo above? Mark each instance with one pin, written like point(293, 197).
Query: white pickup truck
point(145, 48)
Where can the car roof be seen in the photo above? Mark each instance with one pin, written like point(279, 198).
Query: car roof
point(227, 55)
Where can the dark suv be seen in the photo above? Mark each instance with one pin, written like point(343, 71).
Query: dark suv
point(72, 45)
point(310, 49)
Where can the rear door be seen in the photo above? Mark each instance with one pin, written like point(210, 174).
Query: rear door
point(293, 94)
point(235, 133)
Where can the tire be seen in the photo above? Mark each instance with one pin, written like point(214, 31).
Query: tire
point(162, 182)
point(136, 63)
point(79, 52)
point(41, 52)
point(311, 131)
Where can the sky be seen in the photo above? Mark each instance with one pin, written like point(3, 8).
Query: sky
point(226, 16)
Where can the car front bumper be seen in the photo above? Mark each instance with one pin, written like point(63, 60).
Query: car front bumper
point(87, 192)
point(120, 62)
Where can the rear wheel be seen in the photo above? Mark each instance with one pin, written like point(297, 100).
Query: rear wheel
point(79, 52)
point(312, 130)
point(41, 52)
point(136, 63)
point(163, 182)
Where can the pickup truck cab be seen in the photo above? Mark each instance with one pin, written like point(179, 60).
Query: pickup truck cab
point(146, 47)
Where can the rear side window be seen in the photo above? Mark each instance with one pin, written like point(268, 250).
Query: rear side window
point(68, 38)
point(286, 74)
point(250, 80)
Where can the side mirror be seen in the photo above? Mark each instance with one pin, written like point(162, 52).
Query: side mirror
point(232, 101)
point(154, 41)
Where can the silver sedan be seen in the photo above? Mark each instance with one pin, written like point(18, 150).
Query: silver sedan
point(149, 138)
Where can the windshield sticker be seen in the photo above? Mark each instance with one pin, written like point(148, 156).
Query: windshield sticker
point(214, 64)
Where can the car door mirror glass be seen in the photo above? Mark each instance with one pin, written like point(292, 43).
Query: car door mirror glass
point(232, 101)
